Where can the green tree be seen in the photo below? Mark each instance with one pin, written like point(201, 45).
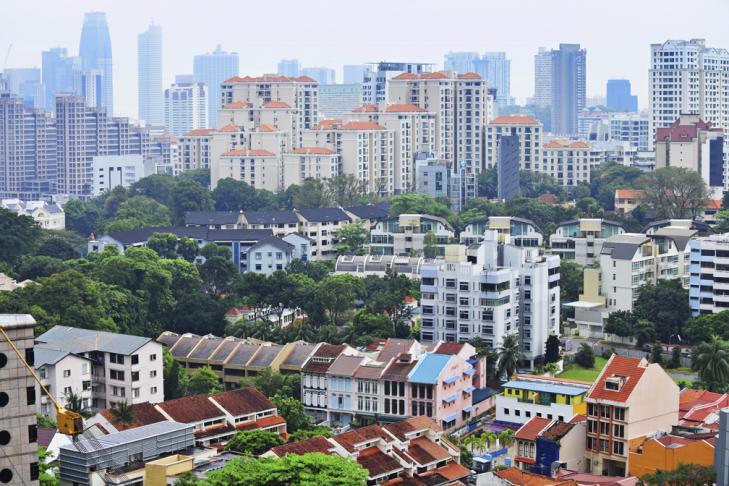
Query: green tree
point(337, 293)
point(621, 323)
point(233, 195)
point(700, 328)
point(509, 356)
point(83, 217)
point(156, 186)
point(123, 413)
point(666, 304)
point(303, 434)
point(306, 469)
point(551, 353)
point(63, 245)
point(33, 267)
point(164, 244)
point(147, 210)
point(253, 442)
point(198, 313)
point(187, 248)
point(367, 326)
point(506, 437)
point(292, 410)
point(175, 377)
point(75, 403)
point(18, 235)
point(675, 357)
point(312, 194)
point(345, 190)
point(683, 475)
point(199, 176)
point(270, 383)
point(675, 192)
point(189, 196)
point(218, 274)
point(417, 204)
point(712, 363)
point(204, 381)
point(352, 238)
point(585, 356)
point(570, 280)
point(722, 220)
point(644, 331)
point(488, 183)
point(657, 353)
point(48, 472)
point(430, 245)
point(604, 180)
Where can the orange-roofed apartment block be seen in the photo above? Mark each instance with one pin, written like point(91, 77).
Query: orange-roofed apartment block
point(529, 131)
point(258, 168)
point(630, 400)
point(569, 162)
point(461, 105)
point(309, 162)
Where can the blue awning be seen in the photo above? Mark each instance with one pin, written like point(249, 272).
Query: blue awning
point(451, 418)
point(469, 389)
point(469, 372)
point(451, 379)
point(450, 398)
point(468, 409)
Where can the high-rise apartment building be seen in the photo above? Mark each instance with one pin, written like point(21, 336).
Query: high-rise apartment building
point(543, 78)
point(507, 167)
point(619, 97)
point(709, 262)
point(61, 74)
point(569, 68)
point(686, 77)
point(323, 75)
point(631, 128)
point(495, 68)
point(336, 100)
point(149, 76)
point(212, 69)
point(26, 83)
point(460, 62)
point(18, 429)
point(95, 54)
point(186, 108)
point(570, 162)
point(529, 131)
point(460, 102)
point(289, 67)
point(377, 76)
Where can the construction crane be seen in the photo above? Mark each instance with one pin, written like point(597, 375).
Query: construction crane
point(68, 422)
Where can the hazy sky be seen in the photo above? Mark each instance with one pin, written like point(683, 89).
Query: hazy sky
point(616, 33)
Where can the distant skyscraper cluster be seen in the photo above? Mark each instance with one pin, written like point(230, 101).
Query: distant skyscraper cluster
point(212, 69)
point(96, 62)
point(494, 67)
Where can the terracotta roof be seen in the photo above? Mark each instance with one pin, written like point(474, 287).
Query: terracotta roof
point(144, 414)
point(405, 76)
point(579, 144)
point(451, 471)
point(398, 370)
point(629, 193)
point(261, 423)
point(516, 477)
point(630, 368)
point(448, 348)
point(325, 351)
point(229, 128)
point(683, 133)
point(714, 204)
point(269, 79)
point(557, 430)
point(394, 347)
point(216, 430)
point(578, 418)
point(195, 408)
point(400, 429)
point(377, 462)
point(436, 75)
point(248, 153)
point(563, 144)
point(313, 151)
point(366, 108)
point(266, 128)
point(514, 120)
point(425, 451)
point(532, 429)
point(350, 439)
point(328, 124)
point(305, 79)
point(243, 401)
point(276, 104)
point(404, 108)
point(369, 372)
point(314, 444)
point(469, 76)
point(199, 132)
point(236, 105)
point(362, 125)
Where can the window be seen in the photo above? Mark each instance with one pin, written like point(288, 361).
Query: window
point(135, 392)
point(34, 471)
point(619, 430)
point(135, 375)
point(153, 390)
point(618, 448)
point(116, 375)
point(30, 395)
point(619, 413)
point(506, 411)
point(67, 391)
point(32, 433)
point(517, 413)
point(116, 358)
point(153, 374)
point(153, 357)
point(135, 359)
point(66, 373)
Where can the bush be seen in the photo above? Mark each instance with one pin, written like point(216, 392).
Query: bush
point(585, 356)
point(608, 353)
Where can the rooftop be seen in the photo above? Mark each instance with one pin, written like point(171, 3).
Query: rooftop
point(78, 340)
point(144, 414)
point(243, 401)
point(429, 368)
point(190, 409)
point(628, 369)
point(532, 429)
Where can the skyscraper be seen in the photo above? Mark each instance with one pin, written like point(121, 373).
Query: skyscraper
point(507, 148)
point(149, 77)
point(686, 77)
point(323, 75)
point(212, 69)
point(377, 75)
point(461, 62)
point(543, 78)
point(186, 108)
point(569, 66)
point(95, 53)
point(61, 74)
point(289, 67)
point(619, 97)
point(26, 83)
point(495, 68)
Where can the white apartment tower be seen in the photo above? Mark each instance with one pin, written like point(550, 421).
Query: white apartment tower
point(460, 102)
point(686, 77)
point(529, 131)
point(186, 108)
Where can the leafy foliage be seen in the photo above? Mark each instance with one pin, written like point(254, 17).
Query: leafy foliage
point(253, 442)
point(585, 356)
point(292, 410)
point(509, 356)
point(204, 380)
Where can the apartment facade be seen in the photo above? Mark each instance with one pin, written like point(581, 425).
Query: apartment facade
point(186, 107)
point(709, 274)
point(632, 128)
point(686, 76)
point(406, 233)
point(309, 162)
point(519, 231)
point(377, 76)
point(529, 131)
point(629, 400)
point(525, 397)
point(118, 368)
point(260, 169)
point(581, 239)
point(569, 162)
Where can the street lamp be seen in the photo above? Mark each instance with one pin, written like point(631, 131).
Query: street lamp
point(669, 340)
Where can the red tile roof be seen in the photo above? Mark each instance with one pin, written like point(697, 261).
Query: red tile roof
point(469, 76)
point(269, 79)
point(425, 451)
point(195, 408)
point(248, 153)
point(377, 462)
point(243, 401)
point(405, 76)
point(630, 368)
point(451, 471)
point(629, 193)
point(236, 105)
point(328, 124)
point(266, 128)
point(362, 125)
point(313, 151)
point(532, 429)
point(514, 120)
point(366, 108)
point(199, 132)
point(714, 204)
point(517, 477)
point(448, 348)
point(276, 104)
point(696, 406)
point(363, 434)
point(263, 423)
point(314, 444)
point(400, 429)
point(228, 128)
point(404, 108)
point(683, 133)
point(144, 414)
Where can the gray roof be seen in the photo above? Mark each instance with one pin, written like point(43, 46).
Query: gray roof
point(10, 321)
point(275, 242)
point(370, 211)
point(78, 340)
point(271, 217)
point(323, 215)
point(680, 236)
point(127, 436)
point(205, 218)
point(43, 356)
point(141, 235)
point(623, 247)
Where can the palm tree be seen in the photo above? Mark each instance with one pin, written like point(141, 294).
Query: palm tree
point(123, 413)
point(75, 403)
point(475, 441)
point(490, 438)
point(506, 437)
point(551, 368)
point(509, 356)
point(712, 362)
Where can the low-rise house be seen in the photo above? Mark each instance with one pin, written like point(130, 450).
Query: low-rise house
point(314, 382)
point(214, 219)
point(629, 400)
point(527, 396)
point(561, 443)
point(321, 226)
point(666, 452)
point(514, 476)
point(585, 479)
point(405, 234)
point(525, 442)
point(582, 239)
point(626, 200)
point(519, 231)
point(115, 368)
point(699, 409)
point(364, 265)
point(369, 214)
point(48, 215)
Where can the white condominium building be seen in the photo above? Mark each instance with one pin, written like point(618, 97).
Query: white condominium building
point(631, 128)
point(519, 231)
point(569, 162)
point(309, 162)
point(529, 131)
point(506, 290)
point(688, 77)
point(461, 104)
point(581, 239)
point(186, 108)
point(405, 234)
point(709, 291)
point(260, 169)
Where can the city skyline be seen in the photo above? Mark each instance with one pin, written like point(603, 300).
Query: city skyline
point(618, 46)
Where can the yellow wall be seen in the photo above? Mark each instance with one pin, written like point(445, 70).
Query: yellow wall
point(591, 286)
point(156, 472)
point(656, 456)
